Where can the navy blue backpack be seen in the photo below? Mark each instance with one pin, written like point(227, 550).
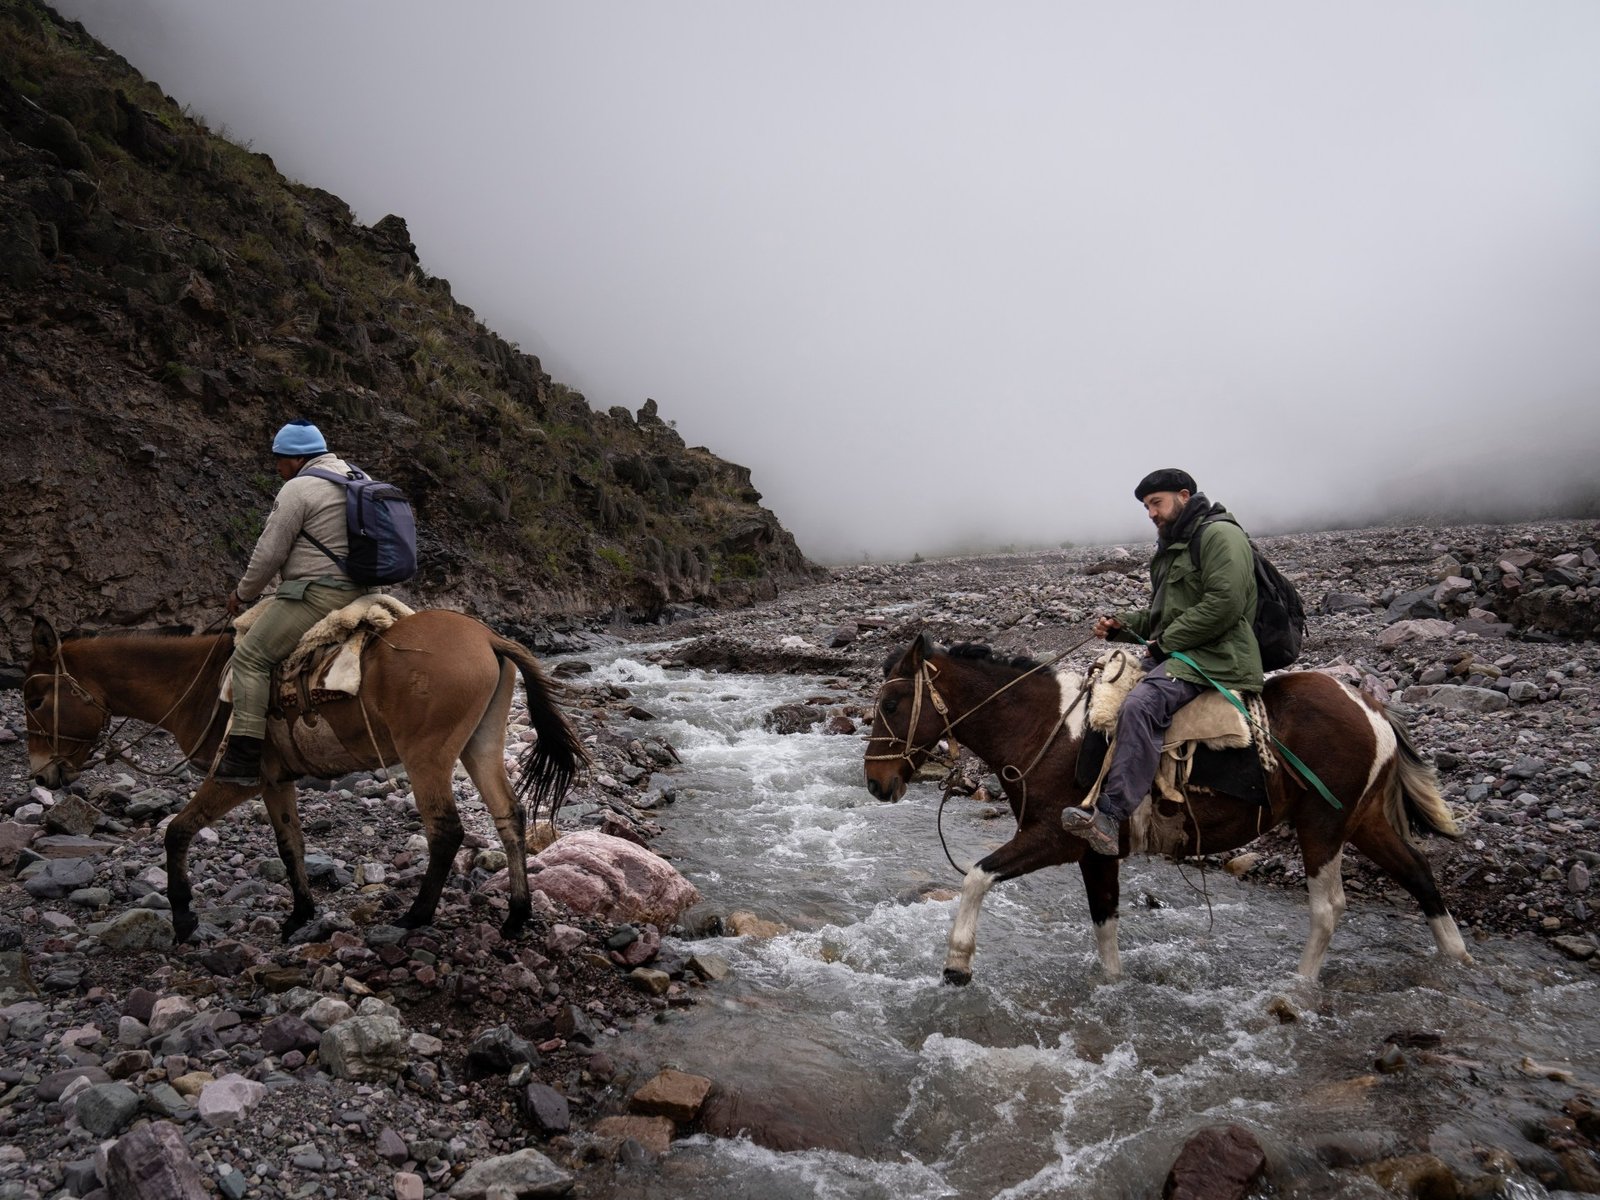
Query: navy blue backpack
point(381, 526)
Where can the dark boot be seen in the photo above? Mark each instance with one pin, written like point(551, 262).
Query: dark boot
point(241, 764)
point(1099, 829)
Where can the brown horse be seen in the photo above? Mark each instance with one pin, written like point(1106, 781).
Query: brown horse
point(1013, 715)
point(436, 687)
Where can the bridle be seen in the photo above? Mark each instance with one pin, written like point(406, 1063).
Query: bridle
point(54, 737)
point(922, 681)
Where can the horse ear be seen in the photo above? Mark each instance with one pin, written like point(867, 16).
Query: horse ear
point(921, 650)
point(46, 642)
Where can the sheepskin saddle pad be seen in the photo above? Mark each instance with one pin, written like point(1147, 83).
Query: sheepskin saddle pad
point(327, 662)
point(1208, 744)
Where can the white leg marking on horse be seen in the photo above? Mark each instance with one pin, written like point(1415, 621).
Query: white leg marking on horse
point(1071, 685)
point(1448, 938)
point(1386, 745)
point(1105, 936)
point(1327, 906)
point(964, 933)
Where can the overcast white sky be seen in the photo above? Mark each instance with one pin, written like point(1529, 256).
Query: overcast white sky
point(942, 273)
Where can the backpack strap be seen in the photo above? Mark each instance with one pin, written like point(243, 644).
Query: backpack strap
point(337, 561)
point(343, 481)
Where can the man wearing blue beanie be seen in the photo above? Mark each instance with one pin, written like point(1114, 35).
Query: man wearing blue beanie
point(310, 586)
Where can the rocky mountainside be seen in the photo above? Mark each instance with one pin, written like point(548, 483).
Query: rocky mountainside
point(167, 299)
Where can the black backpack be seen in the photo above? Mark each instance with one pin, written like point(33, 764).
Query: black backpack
point(381, 527)
point(1280, 620)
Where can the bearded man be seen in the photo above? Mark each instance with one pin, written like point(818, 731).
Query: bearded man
point(1201, 605)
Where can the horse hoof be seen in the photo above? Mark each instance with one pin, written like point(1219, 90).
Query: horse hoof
point(957, 978)
point(293, 926)
point(183, 926)
point(414, 920)
point(512, 927)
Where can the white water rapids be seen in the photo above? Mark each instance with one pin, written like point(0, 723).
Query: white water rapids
point(1041, 1079)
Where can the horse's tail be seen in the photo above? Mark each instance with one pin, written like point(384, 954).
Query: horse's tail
point(1412, 799)
point(546, 766)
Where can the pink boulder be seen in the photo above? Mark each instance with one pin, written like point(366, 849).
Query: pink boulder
point(603, 876)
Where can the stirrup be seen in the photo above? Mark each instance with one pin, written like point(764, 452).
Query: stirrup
point(1077, 817)
point(1102, 832)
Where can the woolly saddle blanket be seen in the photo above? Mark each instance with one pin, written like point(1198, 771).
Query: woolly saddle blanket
point(326, 664)
point(1208, 722)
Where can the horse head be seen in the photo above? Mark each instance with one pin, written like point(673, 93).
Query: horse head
point(908, 721)
point(64, 718)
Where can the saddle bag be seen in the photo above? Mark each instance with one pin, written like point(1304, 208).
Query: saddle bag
point(381, 526)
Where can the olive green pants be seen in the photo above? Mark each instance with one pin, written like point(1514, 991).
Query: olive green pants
point(271, 639)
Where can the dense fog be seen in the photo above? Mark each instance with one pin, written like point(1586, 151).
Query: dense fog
point(949, 276)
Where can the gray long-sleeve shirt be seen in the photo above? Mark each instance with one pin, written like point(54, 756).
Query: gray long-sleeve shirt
point(303, 503)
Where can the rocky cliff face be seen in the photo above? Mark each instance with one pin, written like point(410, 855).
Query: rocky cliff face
point(167, 299)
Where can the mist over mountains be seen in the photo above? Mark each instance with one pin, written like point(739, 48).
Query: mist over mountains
point(948, 276)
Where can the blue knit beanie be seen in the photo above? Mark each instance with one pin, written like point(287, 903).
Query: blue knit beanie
point(299, 439)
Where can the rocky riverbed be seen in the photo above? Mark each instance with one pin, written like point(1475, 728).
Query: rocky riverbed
point(365, 1060)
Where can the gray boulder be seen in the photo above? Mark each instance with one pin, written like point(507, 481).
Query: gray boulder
point(1417, 604)
point(153, 1163)
point(137, 929)
point(104, 1108)
point(60, 878)
point(1461, 698)
point(525, 1173)
point(365, 1049)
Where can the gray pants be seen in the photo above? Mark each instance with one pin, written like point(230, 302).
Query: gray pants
point(1145, 716)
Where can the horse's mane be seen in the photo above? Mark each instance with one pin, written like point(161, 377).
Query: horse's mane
point(973, 652)
point(1017, 663)
point(165, 631)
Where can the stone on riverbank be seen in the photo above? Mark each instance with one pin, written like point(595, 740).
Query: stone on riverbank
point(153, 1163)
point(525, 1173)
point(364, 1049)
point(603, 876)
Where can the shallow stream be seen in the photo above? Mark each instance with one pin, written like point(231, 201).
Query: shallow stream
point(839, 1043)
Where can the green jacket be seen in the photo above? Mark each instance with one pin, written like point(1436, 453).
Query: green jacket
point(1205, 612)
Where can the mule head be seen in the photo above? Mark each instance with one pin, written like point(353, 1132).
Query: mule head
point(64, 718)
point(907, 722)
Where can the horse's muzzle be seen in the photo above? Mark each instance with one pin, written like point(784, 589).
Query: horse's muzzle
point(889, 792)
point(54, 775)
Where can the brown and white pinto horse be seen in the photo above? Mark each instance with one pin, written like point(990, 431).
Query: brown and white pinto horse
point(436, 687)
point(1010, 715)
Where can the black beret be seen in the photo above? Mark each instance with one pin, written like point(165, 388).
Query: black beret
point(1167, 479)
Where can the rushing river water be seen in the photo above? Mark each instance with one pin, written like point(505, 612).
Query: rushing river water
point(839, 1044)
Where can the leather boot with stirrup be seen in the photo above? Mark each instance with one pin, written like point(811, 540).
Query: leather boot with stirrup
point(241, 763)
point(1095, 827)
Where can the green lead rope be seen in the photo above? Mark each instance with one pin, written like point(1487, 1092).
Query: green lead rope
point(1289, 755)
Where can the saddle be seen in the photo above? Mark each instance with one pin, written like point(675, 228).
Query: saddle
point(1209, 746)
point(326, 664)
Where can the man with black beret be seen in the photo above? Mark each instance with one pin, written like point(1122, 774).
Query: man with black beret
point(1202, 605)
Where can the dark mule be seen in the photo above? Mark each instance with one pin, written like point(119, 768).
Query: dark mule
point(1006, 713)
point(436, 687)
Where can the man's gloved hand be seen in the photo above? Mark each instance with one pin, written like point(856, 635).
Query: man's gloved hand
point(234, 604)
